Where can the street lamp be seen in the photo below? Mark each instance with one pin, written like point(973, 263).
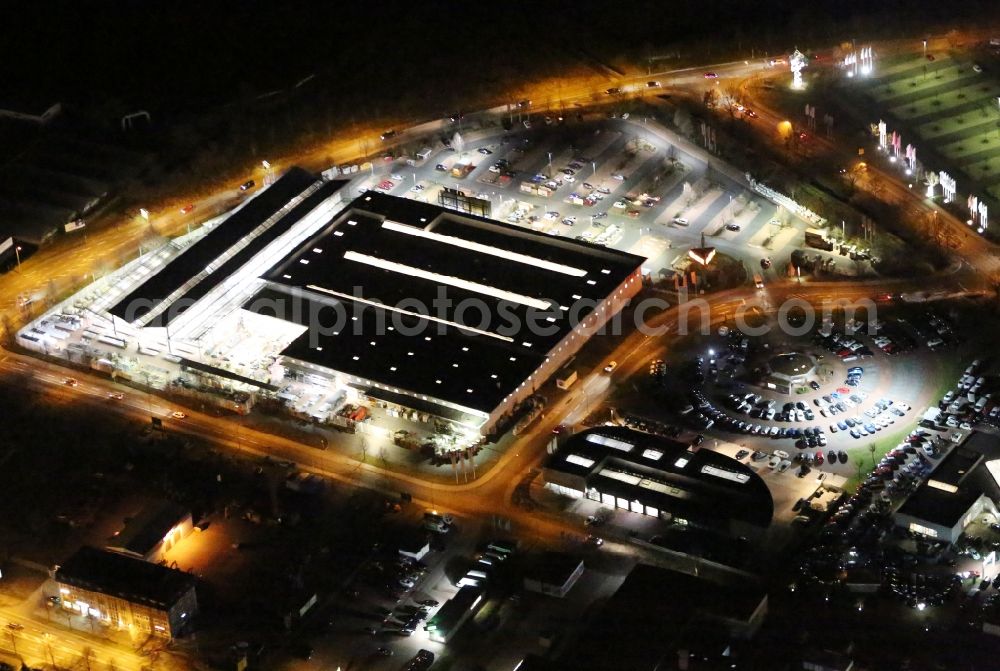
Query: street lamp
point(17, 253)
point(550, 165)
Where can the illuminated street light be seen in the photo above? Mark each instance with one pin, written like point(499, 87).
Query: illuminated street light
point(144, 213)
point(17, 253)
point(796, 63)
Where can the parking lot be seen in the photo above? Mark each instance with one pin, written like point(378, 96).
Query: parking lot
point(611, 182)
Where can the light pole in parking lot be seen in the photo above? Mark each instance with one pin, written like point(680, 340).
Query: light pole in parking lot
point(550, 165)
point(17, 253)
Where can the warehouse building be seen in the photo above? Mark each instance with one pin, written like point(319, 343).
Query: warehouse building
point(553, 573)
point(154, 531)
point(405, 304)
point(440, 304)
point(660, 477)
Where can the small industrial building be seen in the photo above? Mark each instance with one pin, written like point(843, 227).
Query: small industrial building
point(963, 486)
point(413, 542)
point(154, 531)
point(127, 593)
point(660, 477)
point(454, 613)
point(553, 573)
point(660, 619)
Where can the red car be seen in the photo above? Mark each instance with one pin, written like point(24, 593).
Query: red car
point(819, 457)
point(385, 185)
point(187, 208)
point(711, 75)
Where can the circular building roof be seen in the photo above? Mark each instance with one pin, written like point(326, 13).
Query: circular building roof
point(792, 364)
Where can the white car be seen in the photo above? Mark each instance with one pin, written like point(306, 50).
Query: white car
point(569, 178)
point(551, 216)
point(620, 204)
point(781, 454)
point(773, 462)
point(680, 221)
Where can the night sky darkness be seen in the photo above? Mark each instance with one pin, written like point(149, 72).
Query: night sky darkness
point(171, 55)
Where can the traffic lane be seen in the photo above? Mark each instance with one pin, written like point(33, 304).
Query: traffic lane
point(257, 444)
point(65, 643)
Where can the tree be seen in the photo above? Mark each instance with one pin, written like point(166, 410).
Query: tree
point(682, 121)
point(734, 99)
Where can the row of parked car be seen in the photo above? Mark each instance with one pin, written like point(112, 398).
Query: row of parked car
point(843, 345)
point(937, 330)
point(881, 416)
point(968, 403)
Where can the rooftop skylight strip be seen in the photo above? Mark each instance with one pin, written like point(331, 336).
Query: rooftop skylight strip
point(391, 308)
point(456, 282)
point(484, 249)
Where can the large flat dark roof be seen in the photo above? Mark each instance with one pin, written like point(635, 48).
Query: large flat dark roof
point(965, 469)
point(552, 568)
point(384, 257)
point(651, 612)
point(666, 474)
point(428, 247)
point(443, 364)
point(146, 530)
point(198, 256)
point(126, 577)
point(938, 506)
point(955, 467)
